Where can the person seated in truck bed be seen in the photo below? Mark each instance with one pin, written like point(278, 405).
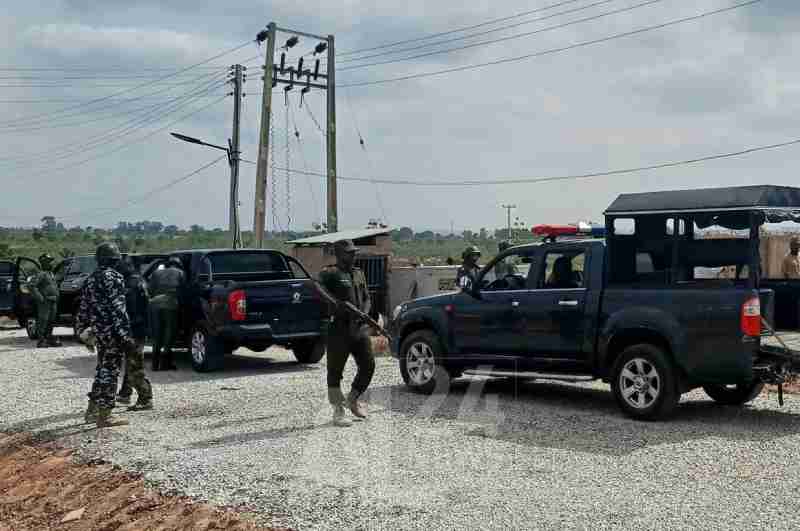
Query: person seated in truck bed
point(790, 268)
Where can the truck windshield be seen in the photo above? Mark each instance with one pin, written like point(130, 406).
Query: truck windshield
point(82, 265)
point(244, 263)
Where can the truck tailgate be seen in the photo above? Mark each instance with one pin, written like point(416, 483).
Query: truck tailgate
point(288, 306)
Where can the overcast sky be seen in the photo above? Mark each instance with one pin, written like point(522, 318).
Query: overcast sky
point(719, 84)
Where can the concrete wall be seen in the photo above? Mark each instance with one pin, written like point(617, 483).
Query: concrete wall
point(408, 283)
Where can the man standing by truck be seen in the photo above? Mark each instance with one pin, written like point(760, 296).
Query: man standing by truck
point(468, 272)
point(790, 268)
point(103, 310)
point(44, 290)
point(347, 334)
point(163, 288)
point(136, 306)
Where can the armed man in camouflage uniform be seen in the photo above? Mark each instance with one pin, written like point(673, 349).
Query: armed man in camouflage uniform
point(347, 334)
point(468, 272)
point(44, 289)
point(136, 306)
point(103, 309)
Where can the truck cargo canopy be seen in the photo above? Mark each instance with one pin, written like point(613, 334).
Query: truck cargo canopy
point(760, 197)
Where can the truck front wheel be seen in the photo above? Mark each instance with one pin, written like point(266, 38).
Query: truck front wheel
point(208, 352)
point(644, 383)
point(421, 363)
point(734, 395)
point(309, 351)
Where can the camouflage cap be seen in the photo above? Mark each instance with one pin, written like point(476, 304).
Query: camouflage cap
point(345, 246)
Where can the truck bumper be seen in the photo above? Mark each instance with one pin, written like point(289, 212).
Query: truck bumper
point(261, 334)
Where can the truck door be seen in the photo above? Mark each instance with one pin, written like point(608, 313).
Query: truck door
point(24, 307)
point(554, 309)
point(491, 323)
point(6, 287)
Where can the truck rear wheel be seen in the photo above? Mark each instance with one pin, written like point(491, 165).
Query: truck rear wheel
point(208, 352)
point(421, 363)
point(644, 383)
point(309, 351)
point(734, 395)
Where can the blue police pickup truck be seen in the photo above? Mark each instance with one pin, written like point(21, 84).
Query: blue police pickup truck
point(637, 309)
point(253, 298)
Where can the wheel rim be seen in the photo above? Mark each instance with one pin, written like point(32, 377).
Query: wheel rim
point(639, 383)
point(198, 347)
point(420, 363)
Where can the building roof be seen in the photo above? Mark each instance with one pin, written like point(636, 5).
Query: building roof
point(758, 197)
point(332, 237)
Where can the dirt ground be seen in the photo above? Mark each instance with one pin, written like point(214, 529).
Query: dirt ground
point(42, 486)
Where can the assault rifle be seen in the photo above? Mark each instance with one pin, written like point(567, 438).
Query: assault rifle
point(355, 312)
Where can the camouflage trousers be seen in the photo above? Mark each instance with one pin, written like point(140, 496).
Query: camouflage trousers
point(104, 387)
point(134, 375)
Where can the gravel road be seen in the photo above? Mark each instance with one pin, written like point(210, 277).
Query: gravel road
point(491, 454)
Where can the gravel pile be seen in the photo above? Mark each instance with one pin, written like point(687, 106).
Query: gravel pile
point(491, 454)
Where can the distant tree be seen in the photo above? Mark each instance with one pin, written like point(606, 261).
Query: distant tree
point(405, 234)
point(196, 229)
point(425, 235)
point(49, 223)
point(139, 241)
point(37, 235)
point(171, 230)
point(5, 250)
point(484, 234)
point(76, 230)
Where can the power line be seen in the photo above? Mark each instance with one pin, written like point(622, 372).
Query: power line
point(125, 91)
point(510, 37)
point(479, 34)
point(121, 130)
point(147, 195)
point(113, 114)
point(124, 146)
point(315, 204)
point(552, 50)
point(110, 103)
point(465, 28)
point(561, 177)
point(371, 167)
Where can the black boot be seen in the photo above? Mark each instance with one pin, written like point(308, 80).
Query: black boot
point(156, 359)
point(169, 364)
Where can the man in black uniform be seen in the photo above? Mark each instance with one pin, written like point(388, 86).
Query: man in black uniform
point(468, 272)
point(347, 334)
point(163, 288)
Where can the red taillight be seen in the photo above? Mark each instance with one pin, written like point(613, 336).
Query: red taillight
point(751, 317)
point(237, 304)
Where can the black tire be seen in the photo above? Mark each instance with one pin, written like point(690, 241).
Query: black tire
point(207, 352)
point(421, 363)
point(736, 395)
point(645, 383)
point(30, 328)
point(309, 351)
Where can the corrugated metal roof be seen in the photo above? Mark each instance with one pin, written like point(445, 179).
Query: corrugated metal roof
point(331, 237)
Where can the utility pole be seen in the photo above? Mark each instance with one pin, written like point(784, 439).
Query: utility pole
point(289, 76)
point(234, 152)
point(260, 216)
point(333, 214)
point(509, 208)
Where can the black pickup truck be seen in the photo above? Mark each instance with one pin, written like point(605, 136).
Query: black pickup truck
point(636, 309)
point(70, 274)
point(7, 269)
point(249, 298)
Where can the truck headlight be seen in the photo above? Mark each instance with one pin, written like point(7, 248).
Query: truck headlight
point(397, 310)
